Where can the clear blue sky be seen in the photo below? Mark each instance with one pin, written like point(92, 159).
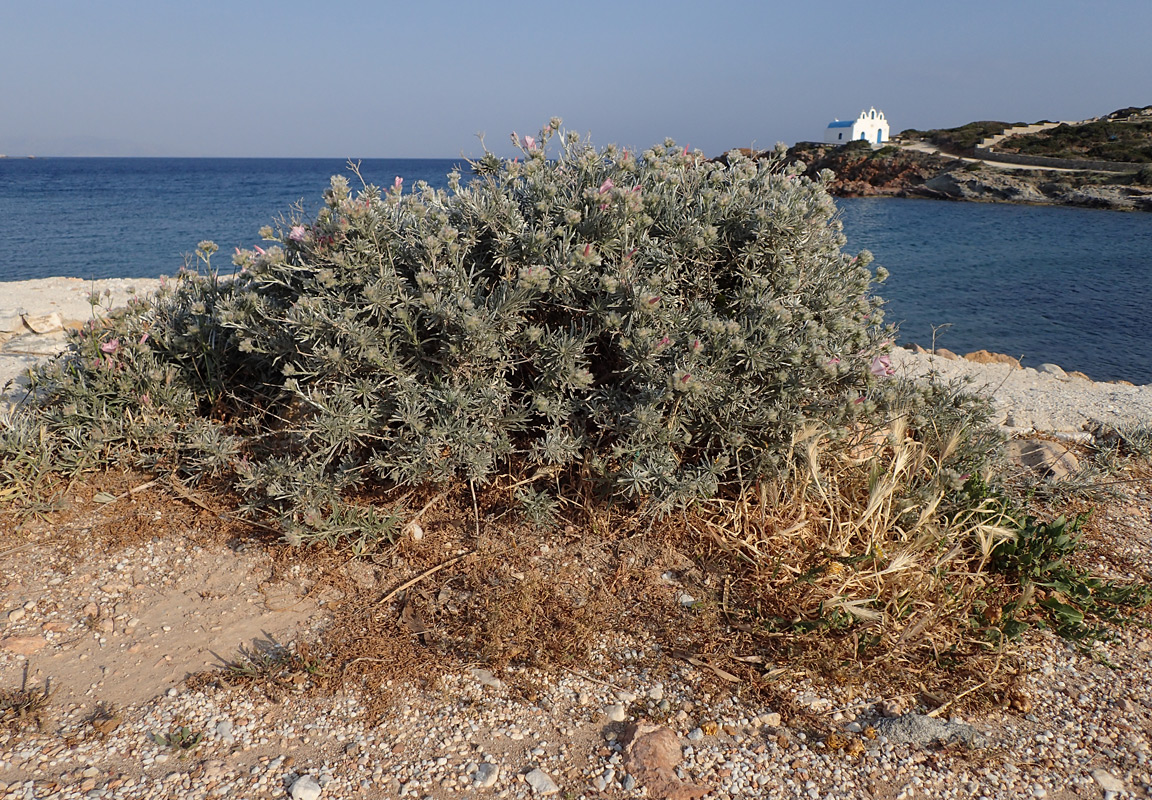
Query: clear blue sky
point(419, 78)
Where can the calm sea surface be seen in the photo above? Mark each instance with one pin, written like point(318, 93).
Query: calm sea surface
point(1069, 286)
point(1063, 285)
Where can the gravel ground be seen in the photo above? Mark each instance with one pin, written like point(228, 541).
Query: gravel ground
point(1078, 725)
point(1085, 736)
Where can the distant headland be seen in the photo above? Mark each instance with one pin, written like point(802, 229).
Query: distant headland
point(1105, 162)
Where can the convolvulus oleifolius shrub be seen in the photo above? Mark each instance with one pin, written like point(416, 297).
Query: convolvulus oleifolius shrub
point(653, 323)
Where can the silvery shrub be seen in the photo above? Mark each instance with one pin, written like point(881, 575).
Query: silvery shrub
point(652, 326)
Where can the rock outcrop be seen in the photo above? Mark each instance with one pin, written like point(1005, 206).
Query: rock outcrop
point(894, 171)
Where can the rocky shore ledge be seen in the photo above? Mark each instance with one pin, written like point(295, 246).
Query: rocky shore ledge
point(114, 627)
point(907, 172)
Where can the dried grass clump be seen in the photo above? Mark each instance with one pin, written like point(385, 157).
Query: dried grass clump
point(862, 535)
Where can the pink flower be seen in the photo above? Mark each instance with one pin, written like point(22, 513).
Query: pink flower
point(529, 142)
point(144, 338)
point(398, 184)
point(259, 250)
point(685, 149)
point(882, 366)
point(606, 186)
point(297, 233)
point(833, 361)
point(110, 346)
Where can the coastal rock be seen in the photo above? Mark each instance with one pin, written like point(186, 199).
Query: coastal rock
point(985, 185)
point(34, 344)
point(43, 323)
point(652, 753)
point(924, 731)
point(986, 357)
point(863, 172)
point(1027, 400)
point(1116, 198)
point(1047, 459)
point(909, 170)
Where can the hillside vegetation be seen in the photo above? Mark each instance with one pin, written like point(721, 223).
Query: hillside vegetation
point(960, 141)
point(1103, 140)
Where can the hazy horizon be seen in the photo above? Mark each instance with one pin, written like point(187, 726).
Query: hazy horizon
point(390, 80)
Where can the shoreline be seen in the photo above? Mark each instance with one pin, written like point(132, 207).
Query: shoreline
point(906, 171)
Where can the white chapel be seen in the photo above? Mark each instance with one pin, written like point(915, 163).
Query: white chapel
point(869, 126)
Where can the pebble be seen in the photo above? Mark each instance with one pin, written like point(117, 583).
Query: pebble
point(224, 733)
point(1107, 781)
point(616, 713)
point(486, 775)
point(305, 788)
point(541, 783)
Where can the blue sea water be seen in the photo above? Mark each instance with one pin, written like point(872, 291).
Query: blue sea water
point(1062, 285)
point(138, 217)
point(1069, 286)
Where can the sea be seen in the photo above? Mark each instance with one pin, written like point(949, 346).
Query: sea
point(1045, 284)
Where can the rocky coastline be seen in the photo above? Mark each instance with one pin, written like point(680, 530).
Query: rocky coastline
point(906, 172)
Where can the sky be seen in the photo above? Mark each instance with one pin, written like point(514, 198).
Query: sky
point(421, 78)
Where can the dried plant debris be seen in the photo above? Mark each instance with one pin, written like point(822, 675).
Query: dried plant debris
point(24, 708)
